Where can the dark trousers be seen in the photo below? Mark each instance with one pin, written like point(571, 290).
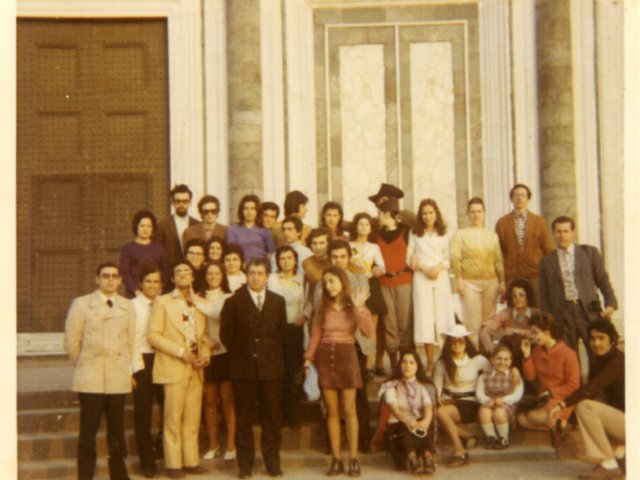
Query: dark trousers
point(575, 325)
point(293, 361)
point(362, 406)
point(401, 442)
point(92, 406)
point(268, 394)
point(143, 396)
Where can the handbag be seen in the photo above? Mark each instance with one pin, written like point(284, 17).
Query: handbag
point(310, 385)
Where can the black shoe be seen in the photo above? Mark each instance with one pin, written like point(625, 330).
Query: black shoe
point(429, 467)
point(413, 466)
point(354, 467)
point(244, 475)
point(501, 444)
point(459, 460)
point(196, 470)
point(336, 468)
point(158, 448)
point(275, 473)
point(150, 473)
point(175, 473)
point(490, 442)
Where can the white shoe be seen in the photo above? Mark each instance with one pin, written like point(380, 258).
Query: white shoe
point(211, 454)
point(230, 455)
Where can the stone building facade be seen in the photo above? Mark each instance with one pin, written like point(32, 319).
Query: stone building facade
point(445, 98)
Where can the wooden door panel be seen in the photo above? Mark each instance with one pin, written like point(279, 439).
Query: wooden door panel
point(92, 150)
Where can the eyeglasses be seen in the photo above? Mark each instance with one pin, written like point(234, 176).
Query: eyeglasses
point(458, 340)
point(518, 294)
point(110, 276)
point(183, 271)
point(195, 254)
point(182, 202)
point(212, 211)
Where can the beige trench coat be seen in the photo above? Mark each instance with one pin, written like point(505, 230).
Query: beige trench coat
point(99, 340)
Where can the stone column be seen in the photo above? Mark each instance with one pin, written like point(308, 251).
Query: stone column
point(245, 100)
point(555, 108)
point(525, 98)
point(495, 80)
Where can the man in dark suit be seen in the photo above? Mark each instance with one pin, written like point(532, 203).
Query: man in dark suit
point(570, 277)
point(170, 230)
point(253, 327)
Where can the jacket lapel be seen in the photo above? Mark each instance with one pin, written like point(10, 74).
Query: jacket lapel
point(581, 263)
point(556, 273)
point(174, 312)
point(173, 231)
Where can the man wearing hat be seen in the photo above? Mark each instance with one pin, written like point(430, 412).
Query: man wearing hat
point(391, 192)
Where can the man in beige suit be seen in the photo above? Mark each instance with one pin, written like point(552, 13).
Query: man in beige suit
point(178, 333)
point(99, 333)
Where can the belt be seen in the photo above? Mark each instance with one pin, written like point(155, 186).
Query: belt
point(395, 274)
point(451, 394)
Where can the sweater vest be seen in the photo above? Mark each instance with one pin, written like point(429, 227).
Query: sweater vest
point(395, 261)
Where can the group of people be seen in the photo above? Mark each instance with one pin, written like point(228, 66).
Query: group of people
point(228, 317)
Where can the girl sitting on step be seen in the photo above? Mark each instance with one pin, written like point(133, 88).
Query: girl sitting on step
point(498, 391)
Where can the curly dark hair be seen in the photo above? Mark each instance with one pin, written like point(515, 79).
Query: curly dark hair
point(141, 215)
point(353, 229)
point(547, 322)
point(532, 301)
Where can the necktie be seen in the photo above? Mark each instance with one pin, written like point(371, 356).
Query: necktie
point(110, 303)
point(259, 303)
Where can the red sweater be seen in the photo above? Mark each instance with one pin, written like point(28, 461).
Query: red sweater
point(393, 245)
point(558, 371)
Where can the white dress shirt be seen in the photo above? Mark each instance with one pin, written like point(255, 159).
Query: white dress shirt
point(141, 345)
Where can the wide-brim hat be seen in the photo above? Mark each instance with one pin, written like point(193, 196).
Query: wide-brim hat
point(458, 331)
point(387, 190)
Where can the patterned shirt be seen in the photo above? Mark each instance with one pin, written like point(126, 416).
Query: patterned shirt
point(521, 222)
point(567, 261)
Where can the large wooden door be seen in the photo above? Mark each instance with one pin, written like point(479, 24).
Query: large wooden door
point(92, 150)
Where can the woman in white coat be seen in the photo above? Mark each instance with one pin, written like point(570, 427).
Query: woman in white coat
point(428, 257)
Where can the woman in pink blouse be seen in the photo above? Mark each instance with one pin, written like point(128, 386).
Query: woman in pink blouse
point(332, 350)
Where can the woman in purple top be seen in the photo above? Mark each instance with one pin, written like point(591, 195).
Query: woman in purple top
point(256, 242)
point(142, 250)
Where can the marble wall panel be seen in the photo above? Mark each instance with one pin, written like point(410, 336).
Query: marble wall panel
point(362, 113)
point(432, 122)
point(397, 28)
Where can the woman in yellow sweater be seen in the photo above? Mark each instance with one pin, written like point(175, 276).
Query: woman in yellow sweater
point(476, 261)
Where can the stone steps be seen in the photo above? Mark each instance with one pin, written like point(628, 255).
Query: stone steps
point(48, 425)
point(292, 460)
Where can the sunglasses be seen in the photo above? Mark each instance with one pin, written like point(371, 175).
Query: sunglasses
point(211, 211)
point(110, 276)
